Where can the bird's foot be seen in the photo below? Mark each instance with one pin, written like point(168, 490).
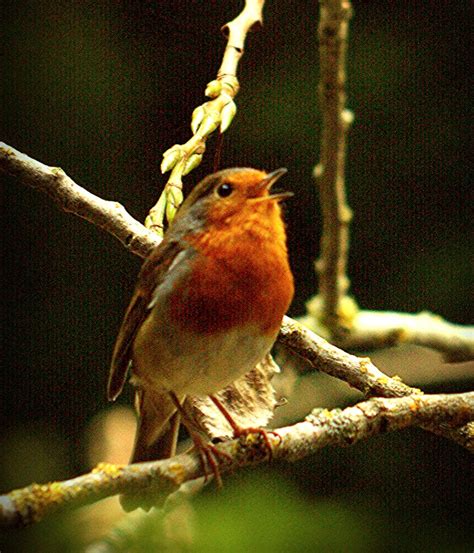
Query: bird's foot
point(210, 457)
point(263, 434)
point(241, 431)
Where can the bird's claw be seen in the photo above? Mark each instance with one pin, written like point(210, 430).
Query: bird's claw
point(263, 434)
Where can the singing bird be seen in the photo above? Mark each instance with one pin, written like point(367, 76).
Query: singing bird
point(208, 303)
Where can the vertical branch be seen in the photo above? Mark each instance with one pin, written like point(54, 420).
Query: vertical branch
point(329, 173)
point(218, 112)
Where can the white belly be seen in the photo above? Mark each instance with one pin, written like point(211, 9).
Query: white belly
point(194, 364)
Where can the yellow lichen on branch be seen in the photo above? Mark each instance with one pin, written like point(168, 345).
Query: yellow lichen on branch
point(159, 479)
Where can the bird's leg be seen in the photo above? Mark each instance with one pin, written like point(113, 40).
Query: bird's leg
point(239, 431)
point(209, 454)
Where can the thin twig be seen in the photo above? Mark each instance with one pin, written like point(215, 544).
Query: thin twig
point(250, 18)
point(331, 266)
point(72, 198)
point(321, 428)
point(181, 159)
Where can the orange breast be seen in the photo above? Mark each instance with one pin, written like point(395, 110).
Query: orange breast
point(242, 276)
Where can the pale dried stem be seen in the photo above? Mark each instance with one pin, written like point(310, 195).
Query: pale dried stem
point(331, 266)
point(320, 429)
point(218, 112)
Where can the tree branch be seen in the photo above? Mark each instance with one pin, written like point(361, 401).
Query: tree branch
point(320, 429)
point(72, 198)
point(181, 159)
point(331, 266)
point(358, 372)
point(376, 329)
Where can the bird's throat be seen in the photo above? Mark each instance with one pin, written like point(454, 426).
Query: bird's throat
point(240, 276)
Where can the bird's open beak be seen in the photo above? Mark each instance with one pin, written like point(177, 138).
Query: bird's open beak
point(268, 182)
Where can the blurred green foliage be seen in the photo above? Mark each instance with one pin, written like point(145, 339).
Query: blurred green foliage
point(267, 514)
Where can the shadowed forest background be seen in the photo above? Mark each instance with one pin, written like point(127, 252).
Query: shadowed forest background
point(102, 89)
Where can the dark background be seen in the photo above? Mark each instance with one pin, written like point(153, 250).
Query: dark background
point(103, 88)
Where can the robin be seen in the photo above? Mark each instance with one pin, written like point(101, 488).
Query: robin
point(208, 304)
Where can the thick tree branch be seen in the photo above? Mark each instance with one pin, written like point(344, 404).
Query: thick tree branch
point(331, 265)
point(372, 330)
point(358, 372)
point(320, 429)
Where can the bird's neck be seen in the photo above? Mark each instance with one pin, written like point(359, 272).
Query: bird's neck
point(239, 237)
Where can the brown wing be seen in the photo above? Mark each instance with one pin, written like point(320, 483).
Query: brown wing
point(151, 275)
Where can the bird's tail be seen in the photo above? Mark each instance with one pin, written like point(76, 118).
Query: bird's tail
point(156, 438)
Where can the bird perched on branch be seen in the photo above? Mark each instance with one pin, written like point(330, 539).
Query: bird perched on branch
point(208, 304)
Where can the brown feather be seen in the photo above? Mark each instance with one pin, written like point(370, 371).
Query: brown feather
point(157, 428)
point(151, 276)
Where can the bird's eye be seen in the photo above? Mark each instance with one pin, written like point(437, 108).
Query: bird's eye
point(225, 190)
